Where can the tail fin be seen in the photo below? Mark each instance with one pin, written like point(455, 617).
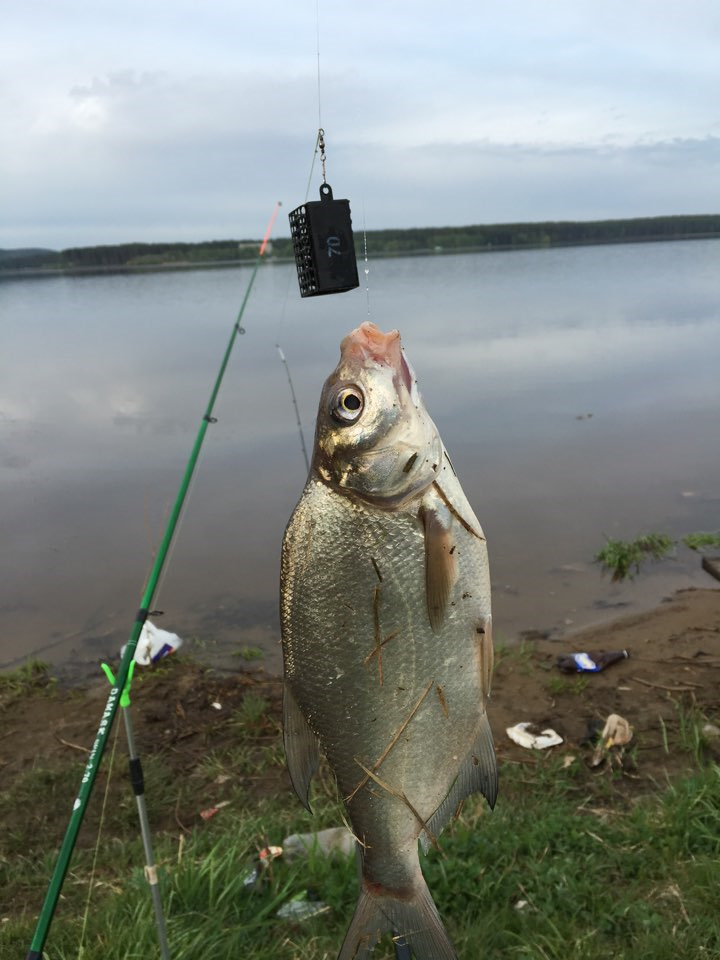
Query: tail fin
point(414, 917)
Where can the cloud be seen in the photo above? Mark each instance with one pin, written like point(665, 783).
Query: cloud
point(132, 123)
point(490, 183)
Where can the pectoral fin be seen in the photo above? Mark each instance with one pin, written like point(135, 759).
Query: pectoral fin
point(477, 773)
point(440, 561)
point(302, 750)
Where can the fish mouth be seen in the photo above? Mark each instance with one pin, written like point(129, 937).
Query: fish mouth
point(368, 343)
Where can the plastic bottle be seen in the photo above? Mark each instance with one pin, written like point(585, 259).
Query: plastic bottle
point(592, 661)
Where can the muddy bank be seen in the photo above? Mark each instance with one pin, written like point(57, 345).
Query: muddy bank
point(184, 709)
point(674, 666)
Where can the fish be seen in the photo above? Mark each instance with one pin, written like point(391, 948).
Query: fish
point(387, 636)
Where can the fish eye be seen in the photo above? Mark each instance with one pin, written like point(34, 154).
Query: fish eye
point(348, 405)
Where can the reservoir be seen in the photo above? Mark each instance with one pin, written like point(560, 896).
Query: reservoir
point(576, 389)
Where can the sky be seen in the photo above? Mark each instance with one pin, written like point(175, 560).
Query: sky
point(150, 120)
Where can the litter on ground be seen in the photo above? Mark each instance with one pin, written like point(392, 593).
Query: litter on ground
point(524, 734)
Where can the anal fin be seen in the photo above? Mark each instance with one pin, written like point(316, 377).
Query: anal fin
point(302, 750)
point(478, 772)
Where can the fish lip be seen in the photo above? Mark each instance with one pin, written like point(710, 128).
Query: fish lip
point(368, 342)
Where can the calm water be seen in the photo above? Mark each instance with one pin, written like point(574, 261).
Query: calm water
point(577, 390)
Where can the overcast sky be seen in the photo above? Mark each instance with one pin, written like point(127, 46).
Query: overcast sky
point(187, 120)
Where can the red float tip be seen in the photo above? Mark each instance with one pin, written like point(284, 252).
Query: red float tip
point(264, 244)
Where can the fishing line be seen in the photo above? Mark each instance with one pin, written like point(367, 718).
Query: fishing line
point(281, 321)
point(325, 263)
point(317, 33)
point(238, 329)
point(319, 103)
point(321, 230)
point(96, 851)
point(52, 896)
point(367, 266)
point(295, 405)
point(316, 150)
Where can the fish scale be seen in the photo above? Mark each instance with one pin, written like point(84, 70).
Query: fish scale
point(385, 608)
point(341, 683)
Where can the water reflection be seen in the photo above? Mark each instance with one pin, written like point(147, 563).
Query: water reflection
point(576, 389)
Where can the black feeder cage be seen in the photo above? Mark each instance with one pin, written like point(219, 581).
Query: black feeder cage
point(322, 239)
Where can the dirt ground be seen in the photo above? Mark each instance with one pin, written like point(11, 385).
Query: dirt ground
point(672, 672)
point(183, 710)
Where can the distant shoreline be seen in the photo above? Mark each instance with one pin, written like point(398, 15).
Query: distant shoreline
point(414, 242)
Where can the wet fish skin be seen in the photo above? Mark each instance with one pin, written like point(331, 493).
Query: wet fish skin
point(387, 642)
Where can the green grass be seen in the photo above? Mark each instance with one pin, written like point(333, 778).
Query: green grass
point(573, 684)
point(250, 653)
point(32, 675)
point(623, 558)
point(566, 868)
point(701, 541)
point(519, 654)
point(593, 886)
point(251, 713)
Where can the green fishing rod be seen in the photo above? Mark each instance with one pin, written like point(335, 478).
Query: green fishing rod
point(93, 764)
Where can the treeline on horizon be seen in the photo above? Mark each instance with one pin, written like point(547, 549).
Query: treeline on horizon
point(503, 236)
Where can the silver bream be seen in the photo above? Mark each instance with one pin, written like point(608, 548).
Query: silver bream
point(386, 630)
